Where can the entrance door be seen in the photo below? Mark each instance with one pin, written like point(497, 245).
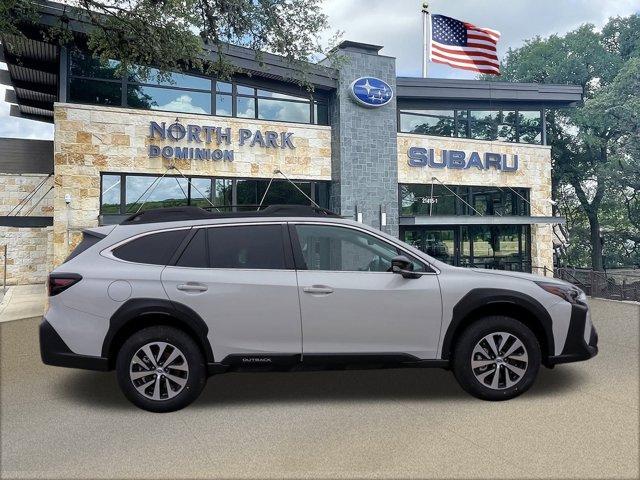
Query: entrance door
point(352, 303)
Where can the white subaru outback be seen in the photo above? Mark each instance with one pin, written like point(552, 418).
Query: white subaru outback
point(172, 296)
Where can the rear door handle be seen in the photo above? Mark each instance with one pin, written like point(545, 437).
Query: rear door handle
point(318, 289)
point(192, 287)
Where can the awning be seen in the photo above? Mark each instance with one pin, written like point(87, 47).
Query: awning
point(480, 220)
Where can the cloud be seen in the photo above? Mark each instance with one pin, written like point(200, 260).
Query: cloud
point(183, 103)
point(398, 25)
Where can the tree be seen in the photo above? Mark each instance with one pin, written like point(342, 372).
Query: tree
point(592, 145)
point(172, 35)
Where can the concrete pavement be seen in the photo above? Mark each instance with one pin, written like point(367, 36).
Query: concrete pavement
point(23, 301)
point(579, 421)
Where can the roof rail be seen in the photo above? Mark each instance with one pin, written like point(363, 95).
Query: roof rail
point(176, 214)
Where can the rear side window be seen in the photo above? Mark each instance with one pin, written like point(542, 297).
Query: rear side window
point(195, 254)
point(156, 248)
point(250, 246)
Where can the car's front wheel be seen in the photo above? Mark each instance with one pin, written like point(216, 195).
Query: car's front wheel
point(160, 369)
point(496, 358)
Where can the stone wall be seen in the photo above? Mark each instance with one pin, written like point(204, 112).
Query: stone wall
point(92, 139)
point(29, 250)
point(364, 144)
point(534, 173)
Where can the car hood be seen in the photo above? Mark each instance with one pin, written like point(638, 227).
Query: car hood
point(524, 276)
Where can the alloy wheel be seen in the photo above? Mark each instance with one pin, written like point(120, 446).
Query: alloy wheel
point(499, 360)
point(159, 370)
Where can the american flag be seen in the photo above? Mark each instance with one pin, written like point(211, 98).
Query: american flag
point(463, 45)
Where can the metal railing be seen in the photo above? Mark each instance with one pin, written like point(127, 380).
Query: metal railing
point(602, 284)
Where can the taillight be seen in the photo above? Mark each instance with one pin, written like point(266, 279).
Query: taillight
point(59, 282)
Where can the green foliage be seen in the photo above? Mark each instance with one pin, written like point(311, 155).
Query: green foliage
point(596, 146)
point(172, 35)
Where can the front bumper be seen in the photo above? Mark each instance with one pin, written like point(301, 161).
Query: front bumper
point(55, 352)
point(576, 349)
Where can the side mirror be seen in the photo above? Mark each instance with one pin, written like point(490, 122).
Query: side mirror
point(403, 266)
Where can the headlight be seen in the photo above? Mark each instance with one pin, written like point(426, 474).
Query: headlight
point(570, 293)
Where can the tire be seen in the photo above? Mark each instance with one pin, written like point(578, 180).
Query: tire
point(474, 345)
point(177, 372)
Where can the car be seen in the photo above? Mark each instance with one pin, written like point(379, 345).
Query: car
point(171, 296)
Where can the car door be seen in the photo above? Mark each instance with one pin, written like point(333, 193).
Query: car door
point(240, 279)
point(352, 303)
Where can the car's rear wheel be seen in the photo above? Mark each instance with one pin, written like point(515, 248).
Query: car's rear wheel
point(496, 358)
point(160, 369)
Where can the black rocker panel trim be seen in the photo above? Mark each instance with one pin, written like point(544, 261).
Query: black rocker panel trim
point(483, 297)
point(320, 361)
point(54, 351)
point(137, 308)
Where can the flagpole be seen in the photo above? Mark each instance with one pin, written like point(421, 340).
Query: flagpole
point(426, 37)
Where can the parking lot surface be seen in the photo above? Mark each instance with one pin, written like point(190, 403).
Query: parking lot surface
point(578, 421)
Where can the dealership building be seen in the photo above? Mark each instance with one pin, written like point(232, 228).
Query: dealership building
point(459, 168)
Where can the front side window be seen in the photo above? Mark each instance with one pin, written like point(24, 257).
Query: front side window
point(247, 246)
point(346, 250)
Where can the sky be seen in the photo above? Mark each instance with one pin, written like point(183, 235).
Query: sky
point(397, 25)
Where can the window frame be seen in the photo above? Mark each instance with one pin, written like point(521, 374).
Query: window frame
point(301, 264)
point(125, 82)
point(464, 127)
point(233, 182)
point(289, 263)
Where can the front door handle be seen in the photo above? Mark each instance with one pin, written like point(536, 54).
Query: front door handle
point(192, 287)
point(318, 289)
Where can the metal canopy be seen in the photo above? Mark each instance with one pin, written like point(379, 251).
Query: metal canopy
point(480, 220)
point(33, 74)
point(467, 93)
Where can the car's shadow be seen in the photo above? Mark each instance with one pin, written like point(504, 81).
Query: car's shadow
point(240, 389)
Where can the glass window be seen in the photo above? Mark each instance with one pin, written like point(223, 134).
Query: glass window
point(483, 125)
point(428, 122)
point(156, 249)
point(195, 255)
point(529, 127)
point(110, 201)
point(343, 249)
point(224, 87)
point(152, 75)
point(247, 192)
point(439, 244)
point(321, 113)
point(201, 192)
point(267, 93)
point(283, 193)
point(245, 107)
point(254, 246)
point(153, 192)
point(224, 105)
point(462, 119)
point(83, 64)
point(285, 111)
point(95, 92)
point(418, 200)
point(157, 98)
point(506, 124)
point(222, 192)
point(242, 90)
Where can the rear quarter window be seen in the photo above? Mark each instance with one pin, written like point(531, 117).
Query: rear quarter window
point(155, 248)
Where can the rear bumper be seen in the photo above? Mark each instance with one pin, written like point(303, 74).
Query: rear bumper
point(55, 352)
point(576, 349)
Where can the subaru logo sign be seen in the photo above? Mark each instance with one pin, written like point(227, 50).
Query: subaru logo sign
point(371, 92)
